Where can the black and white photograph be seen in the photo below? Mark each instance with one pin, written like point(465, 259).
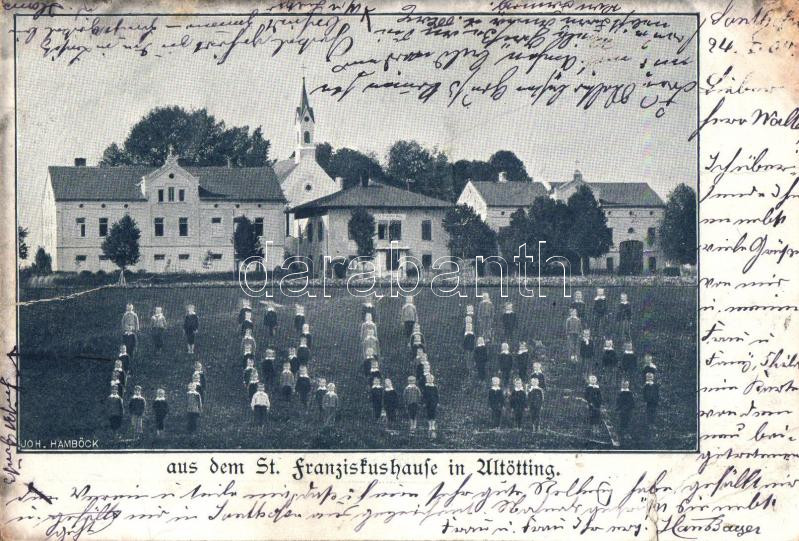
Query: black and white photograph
point(316, 233)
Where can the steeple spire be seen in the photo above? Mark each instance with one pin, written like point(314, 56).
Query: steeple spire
point(305, 105)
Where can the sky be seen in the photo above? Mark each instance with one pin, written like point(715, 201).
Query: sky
point(67, 111)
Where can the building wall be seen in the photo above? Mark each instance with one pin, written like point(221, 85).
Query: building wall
point(172, 252)
point(335, 241)
point(639, 219)
point(49, 228)
point(472, 198)
point(306, 182)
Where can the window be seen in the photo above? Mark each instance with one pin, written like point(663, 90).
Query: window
point(160, 196)
point(171, 194)
point(181, 195)
point(258, 227)
point(309, 231)
point(216, 257)
point(395, 230)
point(183, 257)
point(609, 263)
point(80, 258)
point(158, 225)
point(319, 232)
point(427, 230)
point(651, 235)
point(159, 257)
point(306, 137)
point(612, 242)
point(630, 231)
point(382, 228)
point(183, 227)
point(427, 261)
point(308, 187)
point(81, 226)
point(632, 213)
point(392, 260)
point(653, 264)
point(216, 227)
point(103, 227)
point(102, 257)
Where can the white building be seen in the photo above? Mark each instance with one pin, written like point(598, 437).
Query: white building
point(185, 214)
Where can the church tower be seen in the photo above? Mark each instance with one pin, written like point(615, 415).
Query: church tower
point(305, 123)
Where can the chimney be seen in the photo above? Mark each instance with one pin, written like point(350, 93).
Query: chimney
point(339, 182)
point(503, 177)
point(578, 176)
point(80, 162)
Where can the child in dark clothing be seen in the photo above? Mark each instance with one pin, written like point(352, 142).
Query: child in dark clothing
point(319, 395)
point(412, 397)
point(286, 382)
point(518, 401)
point(299, 318)
point(191, 324)
point(629, 362)
point(248, 372)
point(161, 409)
point(159, 326)
point(578, 304)
point(376, 397)
point(624, 406)
point(505, 363)
point(390, 401)
point(481, 358)
point(586, 346)
point(430, 395)
point(496, 401)
point(468, 334)
point(124, 357)
point(624, 315)
point(303, 351)
point(303, 386)
point(114, 408)
point(252, 386)
point(294, 361)
point(509, 320)
point(136, 407)
point(651, 398)
point(194, 407)
point(305, 339)
point(538, 374)
point(535, 400)
point(259, 403)
point(522, 360)
point(594, 398)
point(268, 366)
point(608, 354)
point(270, 319)
point(649, 366)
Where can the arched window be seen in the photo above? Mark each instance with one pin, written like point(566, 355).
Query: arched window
point(307, 137)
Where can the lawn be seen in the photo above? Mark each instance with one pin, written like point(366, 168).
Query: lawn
point(63, 394)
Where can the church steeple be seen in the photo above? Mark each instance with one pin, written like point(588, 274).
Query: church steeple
point(305, 122)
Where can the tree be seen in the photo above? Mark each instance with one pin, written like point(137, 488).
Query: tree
point(121, 245)
point(361, 228)
point(505, 160)
point(466, 170)
point(548, 220)
point(197, 137)
point(424, 171)
point(354, 167)
point(678, 227)
point(324, 152)
point(512, 236)
point(42, 262)
point(588, 234)
point(22, 246)
point(469, 235)
point(245, 242)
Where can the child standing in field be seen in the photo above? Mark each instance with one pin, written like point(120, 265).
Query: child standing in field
point(330, 404)
point(412, 396)
point(390, 401)
point(485, 318)
point(376, 398)
point(651, 398)
point(600, 311)
point(518, 401)
point(430, 395)
point(367, 308)
point(246, 306)
point(625, 403)
point(416, 341)
point(286, 382)
point(629, 362)
point(578, 304)
point(247, 325)
point(409, 316)
point(248, 371)
point(505, 363)
point(522, 360)
point(538, 374)
point(374, 371)
point(198, 384)
point(303, 352)
point(252, 386)
point(624, 315)
point(319, 395)
point(194, 406)
point(124, 358)
point(136, 407)
point(536, 400)
point(367, 326)
point(119, 375)
point(247, 356)
point(259, 403)
point(130, 326)
point(593, 396)
point(299, 318)
point(371, 342)
point(294, 361)
point(159, 327)
point(422, 369)
point(161, 409)
point(481, 358)
point(509, 321)
point(586, 346)
point(608, 354)
point(306, 336)
point(367, 362)
point(573, 330)
point(496, 401)
point(303, 386)
point(649, 366)
point(270, 319)
point(115, 409)
point(268, 366)
point(468, 334)
point(191, 324)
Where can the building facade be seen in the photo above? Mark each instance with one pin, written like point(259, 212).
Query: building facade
point(633, 211)
point(407, 225)
point(186, 215)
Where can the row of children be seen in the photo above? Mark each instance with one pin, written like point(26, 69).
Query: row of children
point(130, 328)
point(136, 407)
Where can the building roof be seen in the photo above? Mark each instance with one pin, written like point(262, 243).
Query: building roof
point(623, 194)
point(283, 169)
point(305, 105)
point(372, 196)
point(122, 183)
point(509, 194)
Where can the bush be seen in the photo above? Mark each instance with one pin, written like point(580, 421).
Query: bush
point(671, 271)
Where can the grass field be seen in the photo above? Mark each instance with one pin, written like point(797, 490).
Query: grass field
point(63, 395)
